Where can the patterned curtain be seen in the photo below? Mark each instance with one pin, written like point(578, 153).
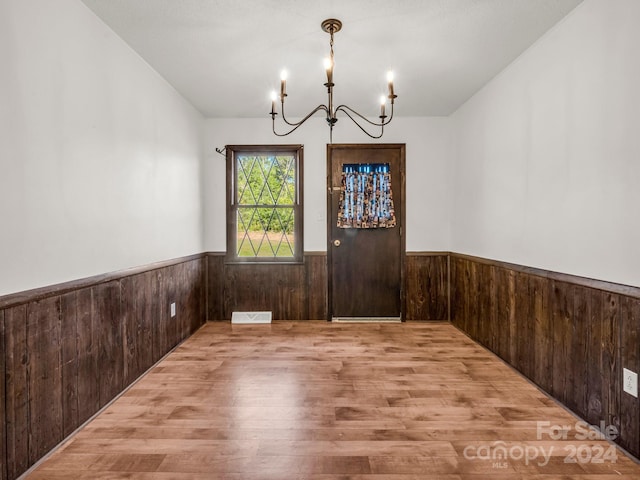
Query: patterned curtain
point(366, 200)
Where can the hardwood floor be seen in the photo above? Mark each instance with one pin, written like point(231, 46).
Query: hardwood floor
point(315, 400)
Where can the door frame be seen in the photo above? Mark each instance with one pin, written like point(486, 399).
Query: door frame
point(399, 193)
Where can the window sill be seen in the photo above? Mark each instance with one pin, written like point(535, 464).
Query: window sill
point(235, 261)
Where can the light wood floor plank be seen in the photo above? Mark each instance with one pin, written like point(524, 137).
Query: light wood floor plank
point(315, 400)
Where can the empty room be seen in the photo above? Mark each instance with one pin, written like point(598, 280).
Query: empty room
point(349, 239)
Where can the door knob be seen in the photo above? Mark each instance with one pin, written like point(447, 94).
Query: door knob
point(336, 243)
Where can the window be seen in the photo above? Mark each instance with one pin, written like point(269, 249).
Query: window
point(264, 213)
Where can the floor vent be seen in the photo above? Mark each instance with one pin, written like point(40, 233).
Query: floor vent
point(366, 319)
point(251, 317)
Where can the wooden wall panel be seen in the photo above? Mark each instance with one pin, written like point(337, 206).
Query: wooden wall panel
point(456, 292)
point(485, 295)
point(215, 286)
point(17, 393)
point(539, 312)
point(524, 328)
point(129, 330)
point(44, 372)
point(88, 345)
point(290, 291)
point(562, 307)
point(280, 289)
point(611, 370)
point(148, 310)
point(595, 406)
point(159, 325)
point(316, 273)
point(3, 417)
point(108, 321)
point(178, 289)
point(190, 297)
point(196, 299)
point(167, 325)
point(471, 291)
point(579, 351)
point(630, 359)
point(427, 284)
point(70, 350)
point(504, 313)
point(299, 291)
point(69, 361)
point(571, 336)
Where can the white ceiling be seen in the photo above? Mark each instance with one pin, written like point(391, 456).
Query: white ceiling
point(225, 56)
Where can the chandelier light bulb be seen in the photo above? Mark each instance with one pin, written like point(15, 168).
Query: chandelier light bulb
point(390, 76)
point(273, 96)
point(328, 65)
point(283, 84)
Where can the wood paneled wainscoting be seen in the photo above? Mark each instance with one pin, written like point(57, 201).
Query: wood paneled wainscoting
point(427, 284)
point(67, 350)
point(299, 291)
point(296, 291)
point(570, 335)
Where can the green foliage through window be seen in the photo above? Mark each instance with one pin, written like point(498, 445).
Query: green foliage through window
point(265, 192)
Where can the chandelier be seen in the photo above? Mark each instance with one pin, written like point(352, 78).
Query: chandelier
point(332, 26)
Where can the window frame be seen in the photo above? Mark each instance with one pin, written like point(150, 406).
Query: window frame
point(232, 151)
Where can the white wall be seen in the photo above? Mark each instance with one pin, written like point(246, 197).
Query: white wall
point(547, 165)
point(427, 149)
point(99, 157)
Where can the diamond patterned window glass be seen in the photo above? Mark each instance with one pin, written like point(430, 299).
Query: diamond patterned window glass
point(266, 207)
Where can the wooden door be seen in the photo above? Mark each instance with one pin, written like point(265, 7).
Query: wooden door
point(366, 266)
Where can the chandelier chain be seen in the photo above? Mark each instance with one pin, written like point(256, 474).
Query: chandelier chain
point(331, 46)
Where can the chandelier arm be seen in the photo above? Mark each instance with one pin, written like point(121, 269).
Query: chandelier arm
point(387, 122)
point(298, 124)
point(313, 112)
point(390, 116)
point(344, 108)
point(284, 118)
point(273, 127)
point(381, 125)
